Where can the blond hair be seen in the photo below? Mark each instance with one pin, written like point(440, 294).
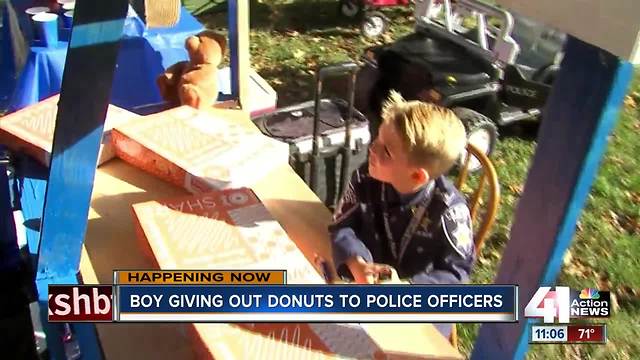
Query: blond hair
point(433, 136)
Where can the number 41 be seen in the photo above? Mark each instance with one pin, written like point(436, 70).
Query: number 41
point(554, 302)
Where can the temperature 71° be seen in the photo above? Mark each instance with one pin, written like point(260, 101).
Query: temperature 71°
point(586, 333)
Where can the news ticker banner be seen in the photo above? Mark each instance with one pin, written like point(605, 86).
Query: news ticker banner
point(569, 334)
point(262, 296)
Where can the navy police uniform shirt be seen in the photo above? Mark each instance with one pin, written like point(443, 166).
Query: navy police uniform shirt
point(425, 236)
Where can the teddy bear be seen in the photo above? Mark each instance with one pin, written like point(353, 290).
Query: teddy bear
point(194, 82)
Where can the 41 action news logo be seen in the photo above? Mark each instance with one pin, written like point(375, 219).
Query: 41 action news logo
point(566, 304)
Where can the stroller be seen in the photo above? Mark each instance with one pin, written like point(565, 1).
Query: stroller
point(374, 23)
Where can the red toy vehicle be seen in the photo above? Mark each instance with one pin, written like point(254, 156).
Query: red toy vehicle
point(374, 23)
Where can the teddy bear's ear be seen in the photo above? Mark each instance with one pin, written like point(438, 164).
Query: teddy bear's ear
point(192, 43)
point(222, 41)
point(219, 38)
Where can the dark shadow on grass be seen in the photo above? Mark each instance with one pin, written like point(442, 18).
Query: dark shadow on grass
point(298, 16)
point(348, 32)
point(496, 240)
point(297, 86)
point(526, 131)
point(303, 16)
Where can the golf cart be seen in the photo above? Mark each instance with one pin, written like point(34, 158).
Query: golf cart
point(469, 59)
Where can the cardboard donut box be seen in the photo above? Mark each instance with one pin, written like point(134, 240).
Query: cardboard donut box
point(198, 151)
point(229, 229)
point(30, 130)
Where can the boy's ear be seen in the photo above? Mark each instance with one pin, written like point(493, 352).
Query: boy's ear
point(420, 176)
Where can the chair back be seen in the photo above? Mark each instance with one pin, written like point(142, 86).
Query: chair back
point(488, 181)
point(490, 177)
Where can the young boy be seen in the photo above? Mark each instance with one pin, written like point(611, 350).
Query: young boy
point(399, 213)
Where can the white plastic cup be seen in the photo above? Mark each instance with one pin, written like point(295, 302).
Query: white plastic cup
point(32, 11)
point(69, 6)
point(36, 10)
point(46, 25)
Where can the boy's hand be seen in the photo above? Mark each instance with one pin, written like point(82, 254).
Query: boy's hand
point(391, 277)
point(364, 272)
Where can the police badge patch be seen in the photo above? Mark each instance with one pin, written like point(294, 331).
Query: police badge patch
point(456, 223)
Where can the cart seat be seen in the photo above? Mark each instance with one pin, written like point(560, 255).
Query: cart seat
point(446, 62)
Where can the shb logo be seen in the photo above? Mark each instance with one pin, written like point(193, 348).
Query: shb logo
point(565, 304)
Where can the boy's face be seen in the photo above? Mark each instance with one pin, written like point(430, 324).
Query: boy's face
point(389, 161)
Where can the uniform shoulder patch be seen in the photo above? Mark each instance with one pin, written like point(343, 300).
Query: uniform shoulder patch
point(456, 225)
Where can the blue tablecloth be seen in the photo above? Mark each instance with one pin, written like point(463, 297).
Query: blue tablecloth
point(144, 54)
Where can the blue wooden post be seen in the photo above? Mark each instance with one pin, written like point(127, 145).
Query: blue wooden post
point(82, 108)
point(580, 114)
point(232, 24)
point(238, 15)
point(81, 113)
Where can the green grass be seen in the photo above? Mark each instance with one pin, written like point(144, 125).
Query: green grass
point(290, 39)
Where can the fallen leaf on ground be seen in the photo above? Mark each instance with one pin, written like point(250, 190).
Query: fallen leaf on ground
point(577, 268)
point(516, 189)
point(298, 54)
point(613, 219)
point(616, 160)
point(604, 284)
point(575, 352)
point(630, 102)
point(633, 196)
point(312, 63)
point(631, 224)
point(628, 297)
